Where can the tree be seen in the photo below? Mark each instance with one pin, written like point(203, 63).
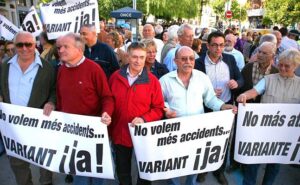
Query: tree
point(285, 12)
point(238, 12)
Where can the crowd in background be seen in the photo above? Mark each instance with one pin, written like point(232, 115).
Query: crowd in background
point(235, 67)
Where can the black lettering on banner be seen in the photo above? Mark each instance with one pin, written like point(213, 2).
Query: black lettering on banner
point(80, 160)
point(294, 121)
point(250, 119)
point(163, 165)
point(211, 155)
point(273, 120)
point(296, 151)
point(84, 18)
point(38, 155)
point(9, 28)
point(167, 140)
point(30, 26)
point(22, 120)
point(138, 130)
point(62, 27)
point(165, 127)
point(55, 125)
point(263, 148)
point(2, 115)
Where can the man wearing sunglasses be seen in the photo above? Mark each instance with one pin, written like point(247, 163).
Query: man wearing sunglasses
point(31, 83)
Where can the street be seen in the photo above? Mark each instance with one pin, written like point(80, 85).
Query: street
point(288, 175)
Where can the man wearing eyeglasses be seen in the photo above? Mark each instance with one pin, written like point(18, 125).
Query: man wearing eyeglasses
point(253, 72)
point(138, 99)
point(225, 76)
point(185, 91)
point(31, 83)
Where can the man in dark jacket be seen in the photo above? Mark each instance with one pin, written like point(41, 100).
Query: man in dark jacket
point(225, 76)
point(97, 51)
point(37, 92)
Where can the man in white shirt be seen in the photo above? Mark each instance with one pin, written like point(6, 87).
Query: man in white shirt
point(185, 90)
point(230, 41)
point(149, 33)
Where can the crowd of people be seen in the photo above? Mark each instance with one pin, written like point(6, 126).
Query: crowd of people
point(167, 74)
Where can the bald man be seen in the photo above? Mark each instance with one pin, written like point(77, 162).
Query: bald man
point(186, 82)
point(230, 41)
point(149, 33)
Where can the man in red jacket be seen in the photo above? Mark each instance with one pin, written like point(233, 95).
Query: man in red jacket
point(138, 99)
point(82, 88)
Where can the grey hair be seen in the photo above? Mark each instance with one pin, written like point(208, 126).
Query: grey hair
point(181, 48)
point(79, 43)
point(267, 43)
point(91, 27)
point(291, 55)
point(172, 32)
point(181, 29)
point(146, 25)
point(24, 33)
point(268, 38)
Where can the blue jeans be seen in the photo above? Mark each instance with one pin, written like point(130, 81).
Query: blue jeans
point(190, 180)
point(81, 180)
point(250, 174)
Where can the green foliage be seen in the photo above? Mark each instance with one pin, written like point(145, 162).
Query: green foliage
point(286, 12)
point(238, 12)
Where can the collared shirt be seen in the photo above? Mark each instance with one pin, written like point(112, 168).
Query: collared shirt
point(219, 76)
point(189, 101)
point(130, 77)
point(239, 58)
point(256, 73)
point(80, 62)
point(20, 84)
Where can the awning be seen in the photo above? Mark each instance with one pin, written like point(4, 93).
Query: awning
point(126, 13)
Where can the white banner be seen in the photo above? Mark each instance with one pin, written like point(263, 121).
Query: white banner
point(64, 16)
point(7, 29)
point(268, 133)
point(181, 146)
point(32, 23)
point(65, 143)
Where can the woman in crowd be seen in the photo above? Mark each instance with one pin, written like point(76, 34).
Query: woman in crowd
point(151, 63)
point(282, 87)
point(113, 40)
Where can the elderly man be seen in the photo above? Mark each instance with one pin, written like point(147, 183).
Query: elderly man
point(225, 76)
point(138, 99)
point(185, 37)
point(97, 51)
point(255, 71)
point(192, 89)
point(230, 41)
point(149, 33)
point(279, 49)
point(171, 43)
point(29, 81)
point(82, 88)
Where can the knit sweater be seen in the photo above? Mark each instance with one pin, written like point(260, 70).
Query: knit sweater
point(83, 90)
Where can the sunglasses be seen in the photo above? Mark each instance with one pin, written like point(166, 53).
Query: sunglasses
point(26, 44)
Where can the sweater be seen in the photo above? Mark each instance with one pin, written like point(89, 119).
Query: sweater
point(83, 90)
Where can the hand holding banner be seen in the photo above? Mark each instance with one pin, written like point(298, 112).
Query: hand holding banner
point(181, 146)
point(268, 133)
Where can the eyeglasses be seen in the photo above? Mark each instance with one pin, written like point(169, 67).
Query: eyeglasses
point(214, 45)
point(185, 59)
point(10, 49)
point(263, 53)
point(26, 44)
point(286, 66)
